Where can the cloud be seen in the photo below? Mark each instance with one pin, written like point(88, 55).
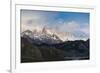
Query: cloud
point(30, 18)
point(69, 26)
point(85, 28)
point(80, 31)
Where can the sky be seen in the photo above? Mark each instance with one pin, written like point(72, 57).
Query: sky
point(73, 22)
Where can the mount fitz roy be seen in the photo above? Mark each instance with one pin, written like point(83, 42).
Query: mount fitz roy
point(43, 36)
point(46, 35)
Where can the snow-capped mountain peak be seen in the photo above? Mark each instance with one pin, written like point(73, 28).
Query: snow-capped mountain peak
point(50, 35)
point(45, 35)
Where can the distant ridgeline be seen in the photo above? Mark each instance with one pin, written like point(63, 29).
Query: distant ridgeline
point(47, 33)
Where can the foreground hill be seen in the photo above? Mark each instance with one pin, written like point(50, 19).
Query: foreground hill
point(33, 51)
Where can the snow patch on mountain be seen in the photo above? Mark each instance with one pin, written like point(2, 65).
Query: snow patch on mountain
point(50, 35)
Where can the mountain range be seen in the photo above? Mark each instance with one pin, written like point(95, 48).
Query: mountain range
point(45, 45)
point(50, 36)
